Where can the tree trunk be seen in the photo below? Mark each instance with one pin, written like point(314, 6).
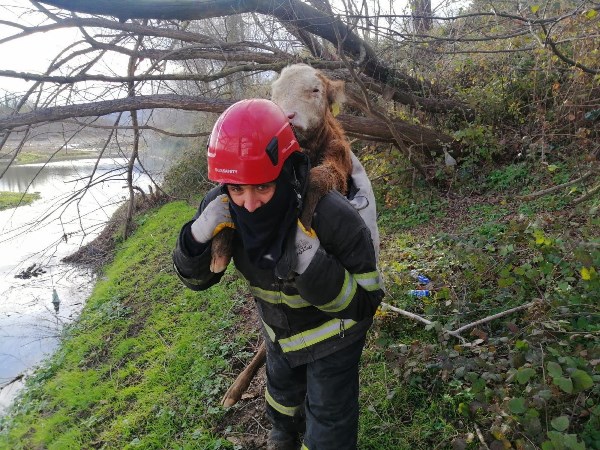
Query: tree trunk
point(422, 15)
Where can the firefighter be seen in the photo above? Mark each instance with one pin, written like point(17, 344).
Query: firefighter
point(316, 290)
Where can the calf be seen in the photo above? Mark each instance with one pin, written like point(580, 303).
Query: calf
point(310, 99)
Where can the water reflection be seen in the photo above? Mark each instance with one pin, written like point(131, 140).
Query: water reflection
point(72, 209)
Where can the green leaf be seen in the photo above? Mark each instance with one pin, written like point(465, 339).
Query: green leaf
point(581, 380)
point(463, 409)
point(524, 374)
point(517, 405)
point(554, 369)
point(560, 423)
point(534, 8)
point(565, 384)
point(586, 273)
point(571, 443)
point(591, 14)
point(584, 257)
point(505, 282)
point(522, 346)
point(478, 385)
point(545, 394)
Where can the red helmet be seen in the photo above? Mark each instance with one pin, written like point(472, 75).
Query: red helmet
point(249, 143)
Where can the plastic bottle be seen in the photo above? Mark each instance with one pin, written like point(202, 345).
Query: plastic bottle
point(422, 279)
point(419, 292)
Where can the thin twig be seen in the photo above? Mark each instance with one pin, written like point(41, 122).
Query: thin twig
point(492, 317)
point(543, 192)
point(480, 436)
point(406, 313)
point(587, 196)
point(456, 333)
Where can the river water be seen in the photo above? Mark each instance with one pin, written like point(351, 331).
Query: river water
point(64, 218)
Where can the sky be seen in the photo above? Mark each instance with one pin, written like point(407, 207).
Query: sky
point(33, 53)
point(29, 54)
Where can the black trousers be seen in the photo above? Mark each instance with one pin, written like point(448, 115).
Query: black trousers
point(319, 398)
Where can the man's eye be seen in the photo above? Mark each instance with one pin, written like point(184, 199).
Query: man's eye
point(265, 187)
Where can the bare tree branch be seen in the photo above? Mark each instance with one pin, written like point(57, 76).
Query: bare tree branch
point(428, 138)
point(294, 12)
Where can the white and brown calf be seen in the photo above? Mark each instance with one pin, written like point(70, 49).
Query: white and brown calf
point(309, 99)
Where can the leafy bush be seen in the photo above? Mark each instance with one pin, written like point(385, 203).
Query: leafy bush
point(186, 179)
point(524, 382)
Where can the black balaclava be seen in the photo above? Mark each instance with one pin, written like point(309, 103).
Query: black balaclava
point(264, 231)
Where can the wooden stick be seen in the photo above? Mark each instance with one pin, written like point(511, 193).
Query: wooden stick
point(406, 313)
point(586, 196)
point(543, 192)
point(492, 317)
point(480, 437)
point(14, 380)
point(456, 333)
point(241, 383)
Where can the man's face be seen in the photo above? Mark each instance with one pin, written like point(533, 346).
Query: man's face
point(251, 196)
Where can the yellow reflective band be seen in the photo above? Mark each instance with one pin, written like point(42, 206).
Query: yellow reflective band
point(304, 447)
point(285, 410)
point(315, 335)
point(369, 281)
point(344, 297)
point(276, 297)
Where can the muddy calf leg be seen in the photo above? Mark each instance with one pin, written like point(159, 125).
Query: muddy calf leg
point(310, 204)
point(221, 250)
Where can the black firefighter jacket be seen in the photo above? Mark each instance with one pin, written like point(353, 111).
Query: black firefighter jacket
point(328, 307)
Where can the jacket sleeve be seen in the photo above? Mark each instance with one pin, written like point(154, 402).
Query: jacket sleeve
point(191, 260)
point(342, 280)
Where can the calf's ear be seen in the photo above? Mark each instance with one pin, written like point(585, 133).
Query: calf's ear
point(335, 92)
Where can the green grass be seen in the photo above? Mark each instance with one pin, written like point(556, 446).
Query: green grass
point(144, 366)
point(14, 199)
point(36, 157)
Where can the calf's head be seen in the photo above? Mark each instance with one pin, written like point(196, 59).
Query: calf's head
point(307, 98)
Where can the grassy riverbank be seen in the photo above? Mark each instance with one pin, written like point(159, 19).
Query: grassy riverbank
point(148, 361)
point(42, 155)
point(14, 199)
point(144, 365)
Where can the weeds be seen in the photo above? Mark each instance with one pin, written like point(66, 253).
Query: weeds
point(15, 199)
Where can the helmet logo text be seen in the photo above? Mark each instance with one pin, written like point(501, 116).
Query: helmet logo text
point(225, 170)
